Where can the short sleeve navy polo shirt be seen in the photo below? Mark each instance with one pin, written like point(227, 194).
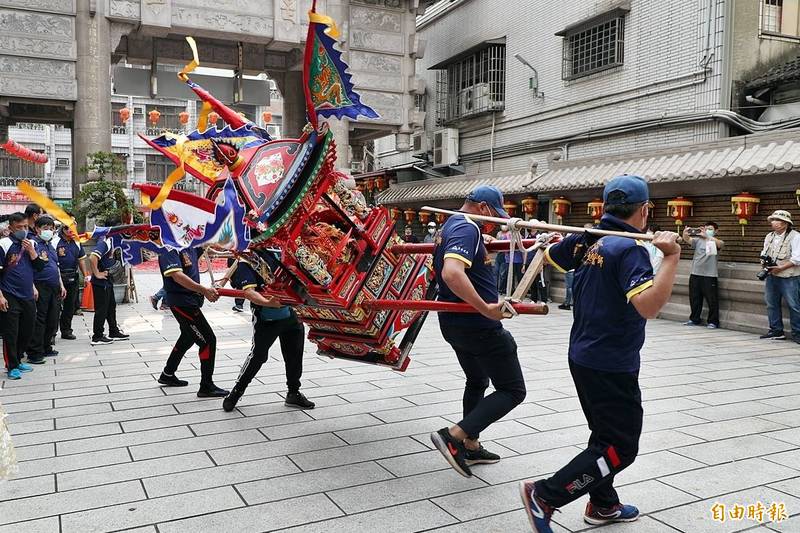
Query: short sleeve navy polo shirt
point(186, 261)
point(49, 274)
point(608, 332)
point(68, 253)
point(245, 277)
point(16, 270)
point(105, 261)
point(461, 239)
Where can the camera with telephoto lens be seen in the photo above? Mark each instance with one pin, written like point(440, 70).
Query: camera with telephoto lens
point(766, 263)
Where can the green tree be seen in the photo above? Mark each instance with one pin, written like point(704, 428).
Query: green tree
point(105, 202)
point(102, 166)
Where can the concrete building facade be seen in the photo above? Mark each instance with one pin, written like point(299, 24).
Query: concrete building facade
point(57, 58)
point(550, 101)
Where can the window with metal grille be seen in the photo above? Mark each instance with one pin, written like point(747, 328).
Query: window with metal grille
point(471, 85)
point(157, 168)
point(593, 48)
point(781, 17)
point(16, 169)
point(169, 120)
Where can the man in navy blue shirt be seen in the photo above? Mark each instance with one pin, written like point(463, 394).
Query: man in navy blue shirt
point(18, 260)
point(105, 305)
point(615, 293)
point(71, 265)
point(485, 350)
point(50, 293)
point(271, 321)
point(181, 275)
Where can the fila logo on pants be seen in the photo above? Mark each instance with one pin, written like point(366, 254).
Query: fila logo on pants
point(579, 484)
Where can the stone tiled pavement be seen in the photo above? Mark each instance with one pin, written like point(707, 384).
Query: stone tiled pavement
point(104, 448)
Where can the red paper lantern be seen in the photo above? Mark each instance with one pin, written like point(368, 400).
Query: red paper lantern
point(154, 116)
point(595, 210)
point(380, 182)
point(744, 206)
point(680, 209)
point(213, 117)
point(370, 184)
point(561, 207)
point(395, 213)
point(440, 218)
point(410, 215)
point(510, 207)
point(530, 206)
point(124, 115)
point(183, 116)
point(424, 217)
point(266, 116)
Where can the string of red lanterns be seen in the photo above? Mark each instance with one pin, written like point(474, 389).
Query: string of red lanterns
point(24, 153)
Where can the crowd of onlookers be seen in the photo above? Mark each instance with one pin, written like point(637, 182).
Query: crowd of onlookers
point(41, 265)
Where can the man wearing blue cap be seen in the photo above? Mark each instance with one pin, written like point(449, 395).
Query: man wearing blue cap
point(615, 293)
point(485, 350)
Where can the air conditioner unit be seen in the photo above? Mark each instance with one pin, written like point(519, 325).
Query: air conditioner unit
point(466, 105)
point(445, 147)
point(138, 165)
point(420, 145)
point(62, 162)
point(356, 167)
point(480, 97)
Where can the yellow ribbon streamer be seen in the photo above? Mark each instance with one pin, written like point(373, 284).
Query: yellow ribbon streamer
point(174, 177)
point(193, 64)
point(316, 18)
point(48, 205)
point(202, 121)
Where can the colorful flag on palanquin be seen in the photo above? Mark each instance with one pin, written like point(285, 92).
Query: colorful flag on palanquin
point(328, 87)
point(186, 220)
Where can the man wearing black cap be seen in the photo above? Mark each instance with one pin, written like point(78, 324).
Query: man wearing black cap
point(485, 350)
point(615, 293)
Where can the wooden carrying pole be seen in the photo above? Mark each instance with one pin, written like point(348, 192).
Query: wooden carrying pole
point(427, 248)
point(544, 226)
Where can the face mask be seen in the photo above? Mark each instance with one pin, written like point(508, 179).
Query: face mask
point(431, 230)
point(20, 234)
point(46, 234)
point(710, 232)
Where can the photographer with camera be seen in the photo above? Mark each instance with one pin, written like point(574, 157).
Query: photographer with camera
point(780, 262)
point(703, 278)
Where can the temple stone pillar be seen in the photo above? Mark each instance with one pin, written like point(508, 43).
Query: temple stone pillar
point(294, 103)
point(92, 126)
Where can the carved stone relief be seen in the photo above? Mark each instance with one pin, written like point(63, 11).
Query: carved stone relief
point(381, 82)
point(156, 13)
point(289, 10)
point(379, 42)
point(373, 19)
point(224, 22)
point(397, 4)
point(37, 77)
point(57, 6)
point(375, 63)
point(30, 23)
point(33, 34)
point(130, 9)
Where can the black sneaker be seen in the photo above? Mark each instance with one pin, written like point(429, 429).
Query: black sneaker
point(68, 336)
point(51, 353)
point(211, 391)
point(118, 336)
point(297, 399)
point(481, 456)
point(237, 309)
point(774, 335)
point(154, 302)
point(230, 401)
point(101, 340)
point(36, 360)
point(171, 381)
point(453, 451)
point(565, 307)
